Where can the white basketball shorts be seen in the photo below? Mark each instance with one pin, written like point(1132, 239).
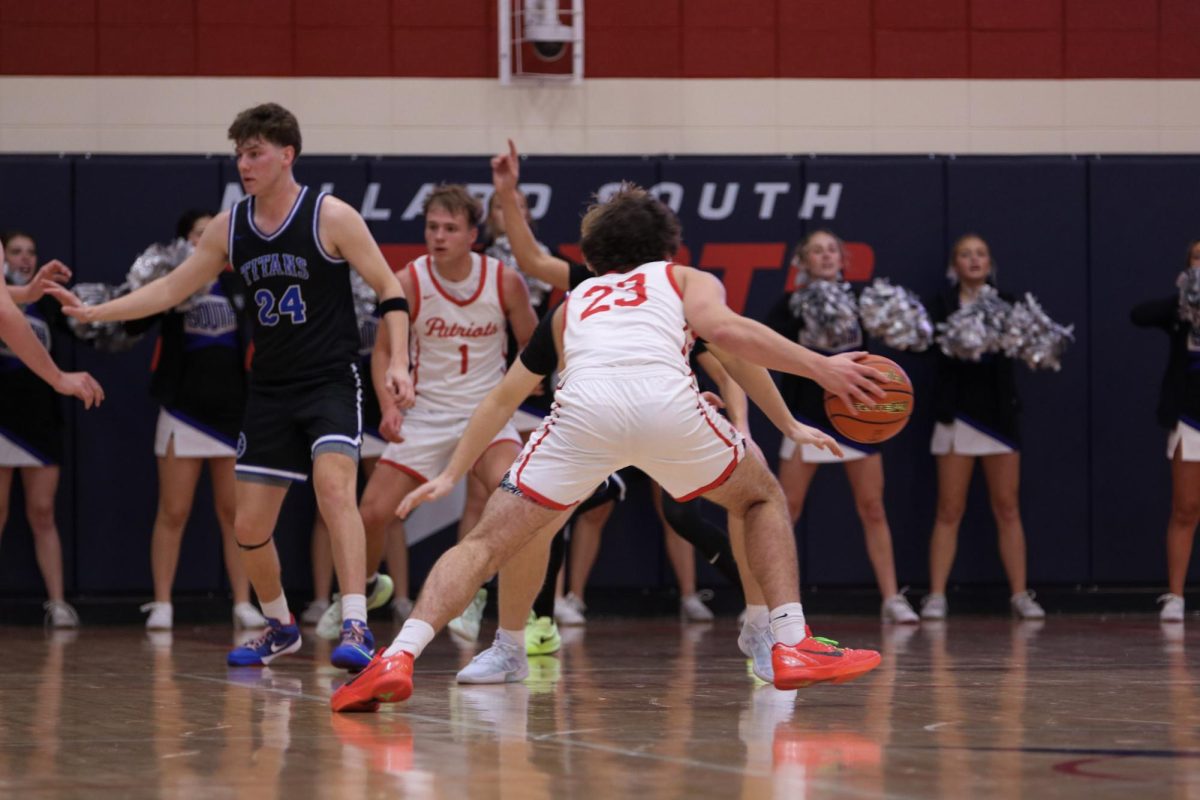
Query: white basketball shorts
point(601, 423)
point(429, 441)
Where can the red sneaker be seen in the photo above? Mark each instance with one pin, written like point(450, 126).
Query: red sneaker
point(818, 660)
point(383, 680)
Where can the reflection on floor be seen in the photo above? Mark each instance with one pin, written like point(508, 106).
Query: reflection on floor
point(975, 707)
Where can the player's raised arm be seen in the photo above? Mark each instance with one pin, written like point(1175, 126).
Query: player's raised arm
point(705, 309)
point(204, 264)
point(533, 260)
point(350, 238)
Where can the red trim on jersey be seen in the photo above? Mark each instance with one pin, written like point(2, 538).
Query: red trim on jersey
point(543, 501)
point(517, 442)
point(671, 278)
point(534, 496)
point(499, 287)
point(409, 471)
point(415, 305)
point(724, 476)
point(416, 361)
point(478, 289)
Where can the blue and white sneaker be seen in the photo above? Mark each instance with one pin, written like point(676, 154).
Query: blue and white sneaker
point(277, 640)
point(356, 648)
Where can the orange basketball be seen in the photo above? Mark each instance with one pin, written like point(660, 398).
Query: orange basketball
point(885, 416)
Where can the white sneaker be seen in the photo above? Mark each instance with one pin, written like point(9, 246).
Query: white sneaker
point(329, 626)
point(755, 644)
point(1025, 607)
point(934, 606)
point(402, 607)
point(1172, 608)
point(246, 616)
point(692, 608)
point(162, 616)
point(569, 610)
point(466, 625)
point(503, 662)
point(312, 612)
point(896, 609)
point(60, 614)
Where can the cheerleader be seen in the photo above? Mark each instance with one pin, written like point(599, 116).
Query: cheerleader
point(976, 408)
point(31, 422)
point(1179, 412)
point(820, 257)
point(199, 379)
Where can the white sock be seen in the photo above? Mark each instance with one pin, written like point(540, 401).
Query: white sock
point(787, 623)
point(757, 617)
point(278, 609)
point(412, 638)
point(514, 638)
point(354, 606)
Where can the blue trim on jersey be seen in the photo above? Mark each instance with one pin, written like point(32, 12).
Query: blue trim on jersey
point(317, 235)
point(202, 427)
point(286, 222)
point(1191, 423)
point(985, 430)
point(28, 448)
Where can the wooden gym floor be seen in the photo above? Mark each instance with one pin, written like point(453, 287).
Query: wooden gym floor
point(975, 707)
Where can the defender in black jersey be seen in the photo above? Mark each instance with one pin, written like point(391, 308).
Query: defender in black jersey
point(292, 247)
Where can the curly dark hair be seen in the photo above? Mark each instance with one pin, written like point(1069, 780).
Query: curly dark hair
point(631, 228)
point(270, 122)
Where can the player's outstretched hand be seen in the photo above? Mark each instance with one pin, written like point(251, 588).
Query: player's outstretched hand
point(399, 383)
point(72, 306)
point(48, 276)
point(435, 489)
point(806, 434)
point(81, 385)
point(851, 381)
point(712, 399)
point(506, 169)
point(390, 425)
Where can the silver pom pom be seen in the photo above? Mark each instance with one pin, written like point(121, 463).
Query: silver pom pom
point(108, 337)
point(975, 329)
point(1035, 338)
point(156, 261)
point(896, 316)
point(830, 315)
point(365, 301)
point(1189, 296)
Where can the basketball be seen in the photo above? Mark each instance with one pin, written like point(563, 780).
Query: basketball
point(885, 416)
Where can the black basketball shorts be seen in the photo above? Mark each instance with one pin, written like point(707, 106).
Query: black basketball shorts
point(287, 426)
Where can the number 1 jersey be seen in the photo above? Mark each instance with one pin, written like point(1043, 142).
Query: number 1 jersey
point(458, 337)
point(304, 321)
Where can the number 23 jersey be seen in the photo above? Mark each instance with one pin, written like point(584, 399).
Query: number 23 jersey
point(625, 323)
point(302, 304)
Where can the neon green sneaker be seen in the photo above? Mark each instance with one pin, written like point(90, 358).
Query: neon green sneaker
point(330, 625)
point(541, 636)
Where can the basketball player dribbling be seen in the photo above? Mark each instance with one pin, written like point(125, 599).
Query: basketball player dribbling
point(293, 247)
point(627, 397)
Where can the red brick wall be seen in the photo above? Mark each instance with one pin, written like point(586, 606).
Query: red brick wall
point(625, 38)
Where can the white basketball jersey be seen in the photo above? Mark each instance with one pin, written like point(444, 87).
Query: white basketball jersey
point(457, 337)
point(626, 322)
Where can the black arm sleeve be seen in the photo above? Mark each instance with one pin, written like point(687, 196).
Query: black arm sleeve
point(1156, 313)
point(578, 274)
point(540, 355)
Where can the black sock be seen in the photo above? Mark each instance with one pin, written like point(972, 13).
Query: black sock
point(709, 540)
point(543, 606)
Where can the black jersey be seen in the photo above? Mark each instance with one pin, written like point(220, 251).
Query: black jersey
point(304, 321)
